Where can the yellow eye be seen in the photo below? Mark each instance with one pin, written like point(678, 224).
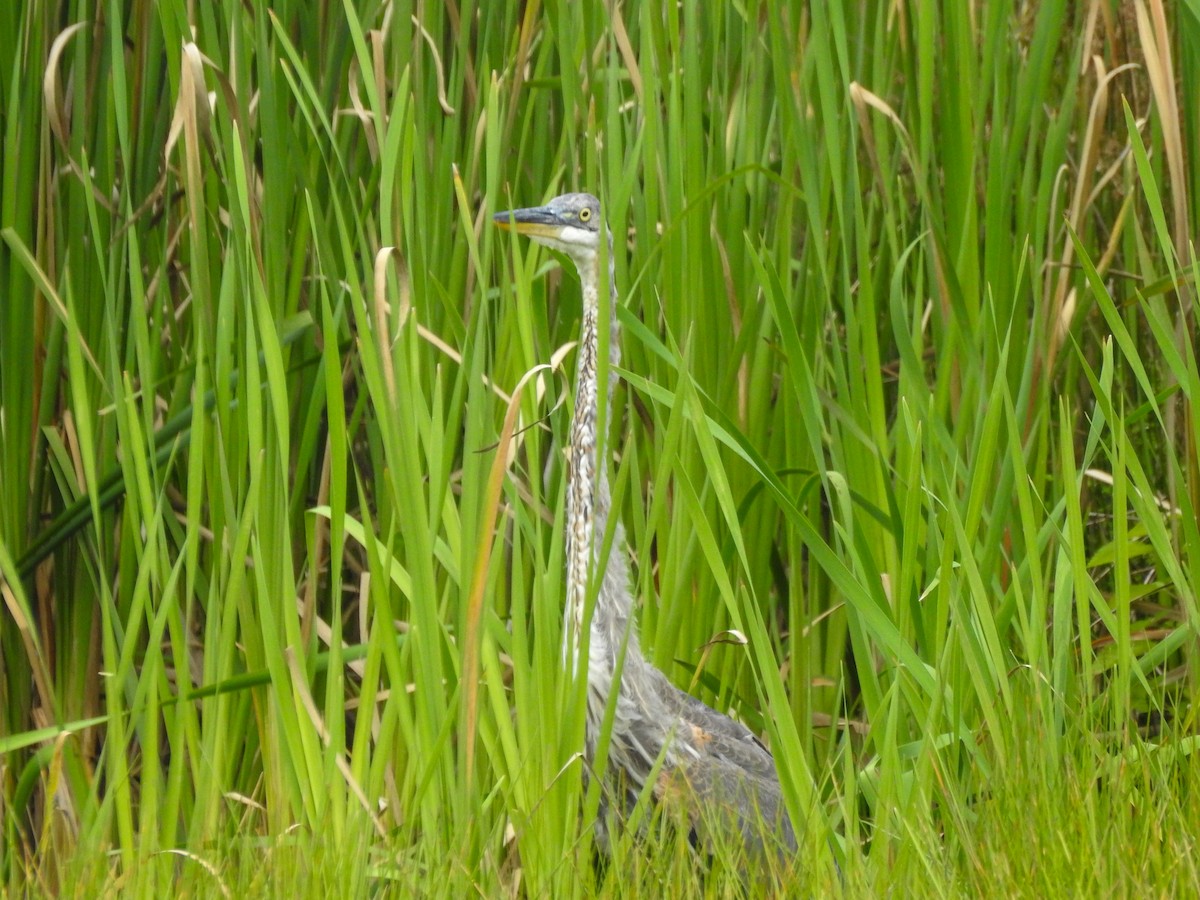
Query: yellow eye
point(585, 214)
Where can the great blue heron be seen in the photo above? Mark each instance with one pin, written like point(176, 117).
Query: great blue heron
point(713, 768)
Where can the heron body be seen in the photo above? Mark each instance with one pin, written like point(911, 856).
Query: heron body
point(713, 769)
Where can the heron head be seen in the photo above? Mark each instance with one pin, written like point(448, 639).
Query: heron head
point(569, 224)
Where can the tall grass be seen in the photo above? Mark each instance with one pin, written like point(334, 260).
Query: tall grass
point(905, 442)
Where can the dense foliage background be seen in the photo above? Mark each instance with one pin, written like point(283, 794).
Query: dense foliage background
point(906, 442)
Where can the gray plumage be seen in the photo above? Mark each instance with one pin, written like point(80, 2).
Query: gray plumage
point(715, 772)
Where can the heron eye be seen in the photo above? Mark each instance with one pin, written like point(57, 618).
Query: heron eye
point(585, 214)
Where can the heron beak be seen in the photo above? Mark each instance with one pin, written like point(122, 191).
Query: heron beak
point(536, 221)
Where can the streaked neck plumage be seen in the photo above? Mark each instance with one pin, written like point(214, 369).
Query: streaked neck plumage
point(588, 499)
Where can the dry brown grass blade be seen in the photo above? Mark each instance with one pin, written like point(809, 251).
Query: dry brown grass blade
point(193, 105)
point(191, 120)
point(378, 41)
point(360, 112)
point(1156, 48)
point(383, 329)
point(33, 649)
point(191, 116)
point(472, 635)
point(863, 98)
point(56, 107)
point(70, 436)
point(51, 93)
point(439, 70)
point(628, 56)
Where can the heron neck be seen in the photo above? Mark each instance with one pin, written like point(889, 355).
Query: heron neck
point(588, 498)
point(588, 402)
